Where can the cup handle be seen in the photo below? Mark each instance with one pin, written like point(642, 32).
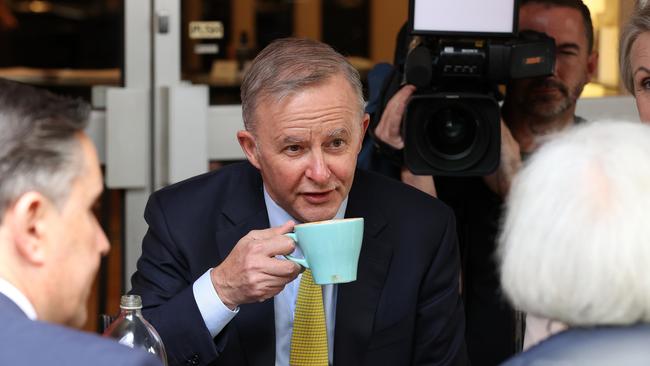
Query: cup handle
point(300, 261)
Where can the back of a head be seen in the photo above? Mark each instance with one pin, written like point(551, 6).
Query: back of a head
point(38, 146)
point(575, 242)
point(289, 65)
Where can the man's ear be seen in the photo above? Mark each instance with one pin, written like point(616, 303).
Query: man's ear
point(249, 146)
point(28, 220)
point(364, 128)
point(592, 65)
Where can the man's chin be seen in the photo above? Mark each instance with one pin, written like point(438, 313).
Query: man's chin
point(547, 108)
point(545, 98)
point(312, 214)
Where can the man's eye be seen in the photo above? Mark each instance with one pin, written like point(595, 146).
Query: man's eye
point(292, 148)
point(337, 143)
point(568, 52)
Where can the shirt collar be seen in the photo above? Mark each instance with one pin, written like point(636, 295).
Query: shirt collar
point(14, 294)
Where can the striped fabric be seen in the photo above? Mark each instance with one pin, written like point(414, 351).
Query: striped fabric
point(309, 338)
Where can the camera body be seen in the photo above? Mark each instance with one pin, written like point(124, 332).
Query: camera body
point(452, 123)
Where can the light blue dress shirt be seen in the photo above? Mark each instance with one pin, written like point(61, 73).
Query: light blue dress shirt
point(14, 294)
point(216, 315)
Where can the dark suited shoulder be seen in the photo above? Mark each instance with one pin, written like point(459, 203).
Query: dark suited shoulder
point(187, 223)
point(27, 342)
point(597, 346)
point(401, 203)
point(184, 216)
point(201, 189)
point(374, 183)
point(411, 241)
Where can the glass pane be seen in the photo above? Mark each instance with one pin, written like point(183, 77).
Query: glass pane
point(64, 45)
point(352, 38)
point(364, 30)
point(250, 25)
point(608, 17)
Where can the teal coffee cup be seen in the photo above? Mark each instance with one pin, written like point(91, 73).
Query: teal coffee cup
point(331, 249)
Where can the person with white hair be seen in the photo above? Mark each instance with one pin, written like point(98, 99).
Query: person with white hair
point(574, 245)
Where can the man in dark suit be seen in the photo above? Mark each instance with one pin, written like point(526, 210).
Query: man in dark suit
point(50, 241)
point(211, 275)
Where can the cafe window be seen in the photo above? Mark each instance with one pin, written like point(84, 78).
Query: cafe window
point(43, 37)
point(64, 45)
point(363, 30)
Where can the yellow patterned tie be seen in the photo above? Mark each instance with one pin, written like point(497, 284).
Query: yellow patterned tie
point(309, 338)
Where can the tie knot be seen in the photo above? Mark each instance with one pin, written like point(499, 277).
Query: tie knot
point(307, 277)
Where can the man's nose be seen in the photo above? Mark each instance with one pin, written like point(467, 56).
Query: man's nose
point(555, 65)
point(318, 170)
point(102, 241)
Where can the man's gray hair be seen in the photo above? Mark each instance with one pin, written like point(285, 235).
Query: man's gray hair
point(575, 244)
point(639, 23)
point(39, 150)
point(289, 65)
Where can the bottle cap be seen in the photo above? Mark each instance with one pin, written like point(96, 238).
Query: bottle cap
point(131, 302)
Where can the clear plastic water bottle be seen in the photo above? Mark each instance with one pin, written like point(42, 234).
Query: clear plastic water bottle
point(131, 329)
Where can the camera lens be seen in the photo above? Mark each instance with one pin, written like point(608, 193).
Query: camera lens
point(451, 132)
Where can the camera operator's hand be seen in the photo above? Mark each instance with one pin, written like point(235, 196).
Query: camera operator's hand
point(425, 183)
point(499, 181)
point(390, 124)
point(389, 131)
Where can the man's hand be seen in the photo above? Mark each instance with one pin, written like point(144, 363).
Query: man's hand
point(390, 124)
point(425, 183)
point(499, 181)
point(389, 131)
point(251, 272)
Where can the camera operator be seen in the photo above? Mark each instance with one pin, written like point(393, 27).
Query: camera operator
point(532, 108)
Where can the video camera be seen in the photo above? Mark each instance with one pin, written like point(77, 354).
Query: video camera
point(466, 49)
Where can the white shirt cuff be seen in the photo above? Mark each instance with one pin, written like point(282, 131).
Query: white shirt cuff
point(215, 314)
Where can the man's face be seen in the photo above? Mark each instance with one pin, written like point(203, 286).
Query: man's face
point(555, 96)
point(306, 147)
point(77, 243)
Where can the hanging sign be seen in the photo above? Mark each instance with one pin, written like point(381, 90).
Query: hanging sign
point(206, 30)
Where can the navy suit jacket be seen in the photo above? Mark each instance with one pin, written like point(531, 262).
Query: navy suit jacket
point(598, 346)
point(27, 342)
point(404, 308)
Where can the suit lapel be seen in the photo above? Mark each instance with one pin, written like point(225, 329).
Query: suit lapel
point(357, 301)
point(254, 325)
